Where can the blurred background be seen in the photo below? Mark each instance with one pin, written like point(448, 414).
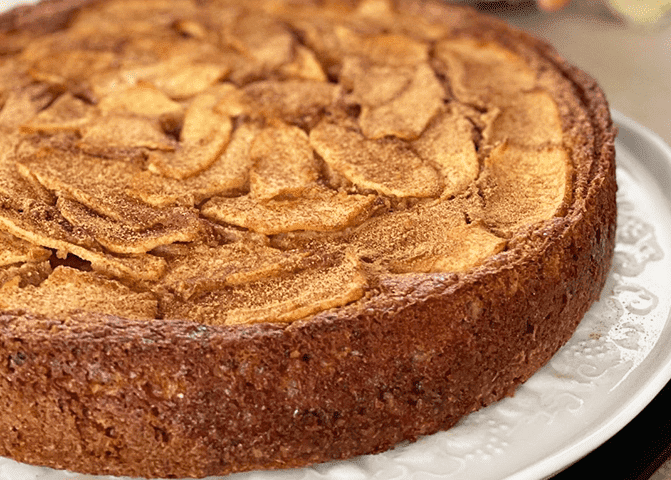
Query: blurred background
point(625, 45)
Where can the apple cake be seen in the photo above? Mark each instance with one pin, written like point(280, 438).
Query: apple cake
point(263, 234)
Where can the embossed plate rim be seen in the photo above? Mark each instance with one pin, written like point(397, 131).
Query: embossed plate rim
point(655, 155)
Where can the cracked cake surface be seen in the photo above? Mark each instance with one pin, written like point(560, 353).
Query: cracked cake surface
point(263, 234)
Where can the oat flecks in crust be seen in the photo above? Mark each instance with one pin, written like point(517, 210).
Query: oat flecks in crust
point(320, 137)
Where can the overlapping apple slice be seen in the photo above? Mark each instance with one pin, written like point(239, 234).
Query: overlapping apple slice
point(21, 259)
point(522, 186)
point(178, 77)
point(408, 113)
point(233, 101)
point(19, 107)
point(13, 74)
point(68, 290)
point(204, 135)
point(397, 100)
point(15, 250)
point(66, 113)
point(383, 48)
point(283, 163)
point(304, 66)
point(434, 237)
point(381, 14)
point(141, 99)
point(372, 84)
point(298, 102)
point(43, 225)
point(54, 63)
point(267, 45)
point(182, 71)
point(262, 39)
point(229, 173)
point(318, 209)
point(97, 183)
point(126, 119)
point(332, 281)
point(226, 265)
point(27, 209)
point(92, 195)
point(388, 165)
point(119, 237)
point(527, 119)
point(284, 193)
point(15, 191)
point(104, 133)
point(448, 144)
point(482, 72)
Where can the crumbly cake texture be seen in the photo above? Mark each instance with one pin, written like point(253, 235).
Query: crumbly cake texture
point(265, 234)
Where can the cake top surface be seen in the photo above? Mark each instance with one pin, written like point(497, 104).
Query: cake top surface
point(262, 161)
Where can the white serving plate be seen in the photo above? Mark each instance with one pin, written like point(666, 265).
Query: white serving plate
point(613, 366)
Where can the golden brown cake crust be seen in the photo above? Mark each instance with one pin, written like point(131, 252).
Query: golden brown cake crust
point(100, 394)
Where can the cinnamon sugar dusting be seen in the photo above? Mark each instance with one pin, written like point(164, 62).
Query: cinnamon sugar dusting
point(261, 161)
point(522, 187)
point(66, 113)
point(319, 209)
point(141, 99)
point(69, 290)
point(17, 251)
point(283, 163)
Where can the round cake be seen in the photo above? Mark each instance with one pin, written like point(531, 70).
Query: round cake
point(263, 234)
